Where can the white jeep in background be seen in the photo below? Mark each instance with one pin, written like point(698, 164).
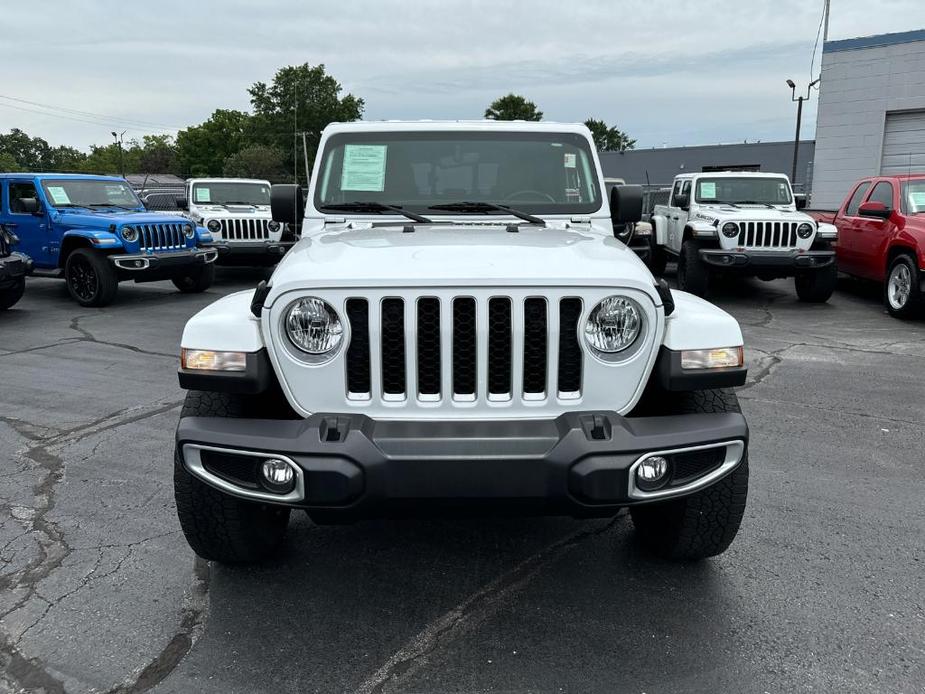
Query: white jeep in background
point(458, 328)
point(237, 212)
point(744, 223)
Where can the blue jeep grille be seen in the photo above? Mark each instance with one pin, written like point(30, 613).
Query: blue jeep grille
point(161, 237)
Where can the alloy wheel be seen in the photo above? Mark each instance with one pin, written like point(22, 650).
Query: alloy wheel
point(900, 286)
point(83, 279)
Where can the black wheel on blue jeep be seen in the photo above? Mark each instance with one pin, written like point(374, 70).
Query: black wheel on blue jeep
point(10, 295)
point(703, 524)
point(195, 279)
point(218, 526)
point(91, 279)
point(693, 275)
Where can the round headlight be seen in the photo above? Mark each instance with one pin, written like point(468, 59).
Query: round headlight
point(613, 325)
point(189, 230)
point(730, 230)
point(804, 231)
point(214, 226)
point(273, 225)
point(313, 326)
point(129, 233)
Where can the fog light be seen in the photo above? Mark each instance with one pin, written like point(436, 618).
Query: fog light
point(652, 473)
point(278, 475)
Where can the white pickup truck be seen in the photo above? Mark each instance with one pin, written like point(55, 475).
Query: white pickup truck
point(459, 328)
point(237, 212)
point(743, 223)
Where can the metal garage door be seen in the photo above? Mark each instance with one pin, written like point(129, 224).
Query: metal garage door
point(903, 143)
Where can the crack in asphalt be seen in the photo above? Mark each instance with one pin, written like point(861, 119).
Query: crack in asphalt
point(87, 336)
point(30, 673)
point(470, 612)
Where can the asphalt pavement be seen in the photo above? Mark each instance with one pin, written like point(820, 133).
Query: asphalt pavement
point(823, 590)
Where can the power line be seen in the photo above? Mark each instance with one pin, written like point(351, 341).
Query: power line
point(102, 124)
point(90, 114)
point(822, 19)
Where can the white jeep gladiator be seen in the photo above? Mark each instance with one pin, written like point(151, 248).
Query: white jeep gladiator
point(742, 223)
point(237, 212)
point(459, 329)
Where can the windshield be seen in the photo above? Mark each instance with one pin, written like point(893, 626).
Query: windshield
point(539, 173)
point(743, 191)
point(231, 193)
point(914, 196)
point(81, 192)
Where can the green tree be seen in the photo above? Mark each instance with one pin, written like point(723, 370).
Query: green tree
point(257, 161)
point(301, 98)
point(513, 107)
point(201, 150)
point(609, 139)
point(35, 154)
point(9, 164)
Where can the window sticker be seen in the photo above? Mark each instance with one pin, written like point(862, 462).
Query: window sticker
point(203, 194)
point(59, 195)
point(708, 190)
point(114, 191)
point(364, 168)
point(570, 160)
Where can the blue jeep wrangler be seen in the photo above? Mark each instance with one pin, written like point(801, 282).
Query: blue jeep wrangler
point(95, 232)
point(13, 269)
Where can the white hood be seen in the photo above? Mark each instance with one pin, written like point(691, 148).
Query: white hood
point(728, 213)
point(460, 255)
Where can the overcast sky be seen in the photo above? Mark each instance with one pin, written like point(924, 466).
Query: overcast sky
point(666, 72)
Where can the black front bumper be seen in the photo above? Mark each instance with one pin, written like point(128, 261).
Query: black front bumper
point(756, 261)
point(14, 267)
point(352, 466)
point(252, 252)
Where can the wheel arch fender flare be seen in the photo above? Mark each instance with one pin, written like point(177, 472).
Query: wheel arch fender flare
point(698, 324)
point(226, 325)
point(72, 239)
point(659, 229)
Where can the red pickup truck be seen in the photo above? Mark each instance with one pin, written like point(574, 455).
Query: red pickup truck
point(881, 237)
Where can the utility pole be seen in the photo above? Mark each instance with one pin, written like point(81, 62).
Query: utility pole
point(825, 30)
point(796, 138)
point(118, 138)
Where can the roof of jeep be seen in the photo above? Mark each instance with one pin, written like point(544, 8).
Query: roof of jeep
point(88, 177)
point(425, 125)
point(732, 174)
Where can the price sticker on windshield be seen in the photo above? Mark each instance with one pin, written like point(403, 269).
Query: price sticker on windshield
point(203, 194)
point(59, 195)
point(364, 168)
point(918, 199)
point(708, 190)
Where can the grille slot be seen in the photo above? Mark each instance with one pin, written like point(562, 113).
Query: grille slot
point(569, 349)
point(429, 346)
point(358, 371)
point(768, 234)
point(499, 346)
point(535, 347)
point(161, 237)
point(464, 342)
point(393, 348)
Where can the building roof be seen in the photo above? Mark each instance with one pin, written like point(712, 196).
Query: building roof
point(874, 41)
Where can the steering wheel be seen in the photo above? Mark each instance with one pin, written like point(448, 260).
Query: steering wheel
point(535, 193)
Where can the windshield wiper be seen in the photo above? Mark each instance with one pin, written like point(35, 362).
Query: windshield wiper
point(236, 202)
point(376, 207)
point(109, 204)
point(723, 202)
point(487, 207)
point(756, 202)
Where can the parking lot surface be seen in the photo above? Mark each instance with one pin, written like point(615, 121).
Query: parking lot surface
point(824, 589)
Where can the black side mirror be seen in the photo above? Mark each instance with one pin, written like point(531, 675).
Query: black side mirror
point(625, 205)
point(875, 210)
point(682, 200)
point(182, 204)
point(800, 201)
point(31, 206)
point(287, 203)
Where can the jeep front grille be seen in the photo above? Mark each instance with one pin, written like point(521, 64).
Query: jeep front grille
point(244, 229)
point(161, 237)
point(464, 350)
point(768, 234)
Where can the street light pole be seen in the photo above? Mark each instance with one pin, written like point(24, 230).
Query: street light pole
point(796, 138)
point(118, 138)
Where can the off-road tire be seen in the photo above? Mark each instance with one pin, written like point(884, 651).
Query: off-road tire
point(913, 304)
point(10, 295)
point(703, 524)
point(658, 258)
point(218, 526)
point(817, 286)
point(195, 280)
point(91, 279)
point(693, 275)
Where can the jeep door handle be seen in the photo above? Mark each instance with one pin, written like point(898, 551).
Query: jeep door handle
point(11, 225)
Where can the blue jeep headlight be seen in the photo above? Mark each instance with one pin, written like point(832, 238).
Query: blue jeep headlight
point(189, 230)
point(129, 233)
